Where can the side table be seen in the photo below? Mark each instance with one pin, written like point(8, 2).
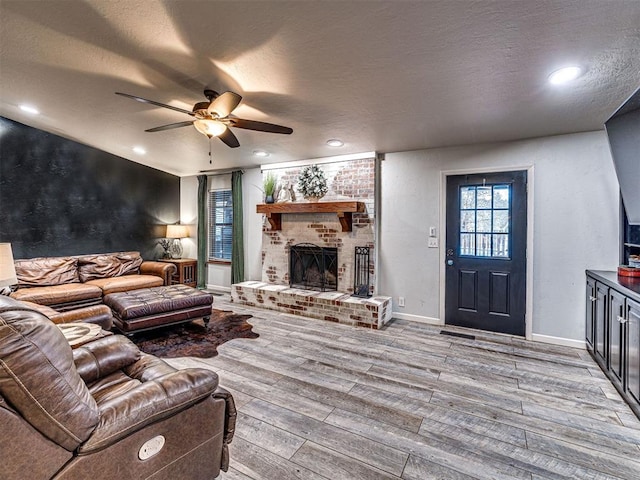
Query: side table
point(187, 271)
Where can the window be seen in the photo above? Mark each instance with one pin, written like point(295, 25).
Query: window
point(220, 224)
point(485, 214)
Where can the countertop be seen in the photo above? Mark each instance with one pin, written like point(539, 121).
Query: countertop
point(629, 286)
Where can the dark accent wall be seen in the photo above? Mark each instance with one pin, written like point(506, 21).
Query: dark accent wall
point(59, 197)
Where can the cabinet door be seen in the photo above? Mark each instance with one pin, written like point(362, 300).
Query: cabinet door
point(633, 350)
point(600, 330)
point(617, 330)
point(590, 311)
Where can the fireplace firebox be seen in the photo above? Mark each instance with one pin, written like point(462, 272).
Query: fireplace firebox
point(312, 267)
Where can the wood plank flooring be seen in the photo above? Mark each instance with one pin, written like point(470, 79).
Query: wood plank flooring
point(319, 400)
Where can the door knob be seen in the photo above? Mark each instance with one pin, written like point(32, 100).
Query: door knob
point(449, 262)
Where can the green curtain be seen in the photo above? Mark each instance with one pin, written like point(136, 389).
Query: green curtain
point(202, 231)
point(237, 247)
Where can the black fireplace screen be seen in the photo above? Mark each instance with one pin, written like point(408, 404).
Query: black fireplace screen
point(313, 268)
point(361, 273)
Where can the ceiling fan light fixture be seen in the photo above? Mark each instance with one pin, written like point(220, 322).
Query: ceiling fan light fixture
point(212, 118)
point(210, 128)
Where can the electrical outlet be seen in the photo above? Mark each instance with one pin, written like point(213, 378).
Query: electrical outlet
point(432, 242)
point(401, 301)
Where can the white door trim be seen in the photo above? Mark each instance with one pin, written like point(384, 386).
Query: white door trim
point(528, 318)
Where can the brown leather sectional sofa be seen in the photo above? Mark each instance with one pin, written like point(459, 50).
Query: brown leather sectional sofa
point(104, 410)
point(98, 314)
point(65, 283)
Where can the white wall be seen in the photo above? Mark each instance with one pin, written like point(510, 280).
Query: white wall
point(575, 223)
point(252, 195)
point(219, 275)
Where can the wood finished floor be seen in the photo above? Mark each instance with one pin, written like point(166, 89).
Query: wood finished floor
point(318, 400)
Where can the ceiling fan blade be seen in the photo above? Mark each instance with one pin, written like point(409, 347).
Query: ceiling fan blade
point(260, 126)
point(229, 138)
point(170, 126)
point(157, 104)
point(224, 104)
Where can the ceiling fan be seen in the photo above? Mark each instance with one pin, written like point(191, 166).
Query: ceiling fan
point(213, 118)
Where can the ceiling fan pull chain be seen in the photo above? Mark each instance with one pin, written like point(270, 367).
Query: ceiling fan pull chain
point(210, 150)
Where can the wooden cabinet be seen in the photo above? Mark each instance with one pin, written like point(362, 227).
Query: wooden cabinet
point(617, 334)
point(601, 324)
point(613, 331)
point(633, 349)
point(187, 271)
point(590, 311)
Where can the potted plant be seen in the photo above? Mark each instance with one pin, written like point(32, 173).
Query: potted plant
point(269, 186)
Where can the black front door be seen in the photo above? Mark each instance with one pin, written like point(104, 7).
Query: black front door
point(486, 251)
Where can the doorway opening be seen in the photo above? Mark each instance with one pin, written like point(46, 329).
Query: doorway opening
point(485, 251)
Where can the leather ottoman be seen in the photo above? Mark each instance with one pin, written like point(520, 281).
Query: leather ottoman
point(147, 308)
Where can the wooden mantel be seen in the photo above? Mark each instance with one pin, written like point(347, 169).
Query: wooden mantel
point(274, 211)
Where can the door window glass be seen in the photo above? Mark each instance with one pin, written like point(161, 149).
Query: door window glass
point(485, 220)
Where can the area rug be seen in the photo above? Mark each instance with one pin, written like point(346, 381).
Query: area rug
point(192, 339)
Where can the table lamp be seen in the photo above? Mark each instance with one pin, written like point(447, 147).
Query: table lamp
point(7, 269)
point(176, 232)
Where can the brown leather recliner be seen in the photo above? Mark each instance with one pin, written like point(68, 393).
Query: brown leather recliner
point(105, 410)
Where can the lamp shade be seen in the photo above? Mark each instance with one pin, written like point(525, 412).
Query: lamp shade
point(177, 231)
point(7, 268)
point(210, 128)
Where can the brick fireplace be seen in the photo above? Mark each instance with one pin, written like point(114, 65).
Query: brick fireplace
point(347, 180)
point(343, 220)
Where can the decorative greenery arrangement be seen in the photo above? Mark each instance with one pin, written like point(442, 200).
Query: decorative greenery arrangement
point(312, 183)
point(269, 184)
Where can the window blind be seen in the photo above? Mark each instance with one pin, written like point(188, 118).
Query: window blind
point(220, 224)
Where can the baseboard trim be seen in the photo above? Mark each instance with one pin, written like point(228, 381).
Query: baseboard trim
point(565, 342)
point(417, 318)
point(218, 288)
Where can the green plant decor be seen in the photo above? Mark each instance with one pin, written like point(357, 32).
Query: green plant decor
point(269, 184)
point(312, 183)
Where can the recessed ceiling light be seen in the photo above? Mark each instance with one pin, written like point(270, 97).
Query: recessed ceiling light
point(334, 142)
point(565, 75)
point(29, 109)
point(260, 153)
point(139, 150)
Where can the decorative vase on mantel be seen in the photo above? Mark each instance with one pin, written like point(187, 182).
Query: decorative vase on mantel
point(269, 183)
point(312, 199)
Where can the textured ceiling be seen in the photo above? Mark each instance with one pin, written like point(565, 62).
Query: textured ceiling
point(380, 75)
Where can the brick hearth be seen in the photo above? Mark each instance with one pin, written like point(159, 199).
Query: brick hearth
point(339, 307)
